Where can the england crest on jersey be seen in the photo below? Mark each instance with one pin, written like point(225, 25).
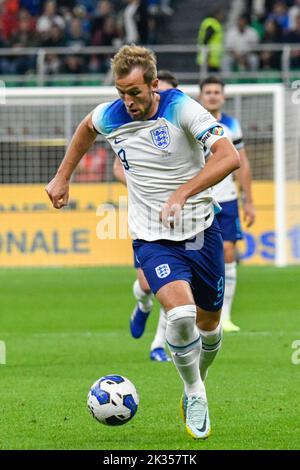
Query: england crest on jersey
point(163, 270)
point(161, 137)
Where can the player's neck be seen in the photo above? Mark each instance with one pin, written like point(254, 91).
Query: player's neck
point(154, 106)
point(217, 114)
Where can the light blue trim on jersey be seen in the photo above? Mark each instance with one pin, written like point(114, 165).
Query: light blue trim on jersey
point(170, 105)
point(112, 116)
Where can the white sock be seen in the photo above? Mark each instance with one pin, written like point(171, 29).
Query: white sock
point(230, 285)
point(211, 343)
point(160, 335)
point(145, 301)
point(184, 342)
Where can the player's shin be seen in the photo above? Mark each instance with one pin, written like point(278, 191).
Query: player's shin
point(184, 342)
point(211, 344)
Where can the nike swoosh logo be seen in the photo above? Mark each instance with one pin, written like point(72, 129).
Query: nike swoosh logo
point(204, 424)
point(120, 140)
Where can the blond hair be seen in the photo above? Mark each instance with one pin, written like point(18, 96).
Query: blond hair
point(129, 57)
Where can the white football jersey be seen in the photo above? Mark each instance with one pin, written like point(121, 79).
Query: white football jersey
point(158, 156)
point(226, 190)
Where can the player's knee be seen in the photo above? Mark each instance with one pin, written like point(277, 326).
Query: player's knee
point(181, 325)
point(208, 324)
point(208, 320)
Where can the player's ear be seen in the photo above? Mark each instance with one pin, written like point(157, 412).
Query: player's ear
point(154, 84)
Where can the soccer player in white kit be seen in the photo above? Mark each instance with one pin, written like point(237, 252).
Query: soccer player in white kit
point(141, 288)
point(159, 138)
point(212, 98)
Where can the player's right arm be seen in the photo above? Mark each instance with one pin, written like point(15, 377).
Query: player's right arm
point(119, 172)
point(83, 138)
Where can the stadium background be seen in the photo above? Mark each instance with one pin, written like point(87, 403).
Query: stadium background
point(62, 326)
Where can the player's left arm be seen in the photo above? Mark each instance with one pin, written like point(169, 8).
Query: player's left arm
point(224, 160)
point(244, 179)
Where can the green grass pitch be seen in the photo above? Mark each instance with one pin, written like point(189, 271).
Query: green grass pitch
point(64, 328)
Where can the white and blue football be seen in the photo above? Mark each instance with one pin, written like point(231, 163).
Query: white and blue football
point(113, 400)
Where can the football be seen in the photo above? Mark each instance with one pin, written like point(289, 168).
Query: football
point(113, 400)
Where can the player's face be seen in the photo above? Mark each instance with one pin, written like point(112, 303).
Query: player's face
point(139, 97)
point(212, 97)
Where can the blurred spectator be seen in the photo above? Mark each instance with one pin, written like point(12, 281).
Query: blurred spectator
point(211, 34)
point(165, 7)
point(56, 37)
point(280, 15)
point(89, 5)
point(242, 39)
point(258, 23)
point(24, 37)
point(52, 64)
point(157, 7)
point(273, 35)
point(81, 13)
point(142, 21)
point(293, 37)
point(104, 9)
point(76, 37)
point(48, 18)
point(110, 32)
point(73, 64)
point(130, 21)
point(135, 17)
point(293, 12)
point(9, 11)
point(34, 7)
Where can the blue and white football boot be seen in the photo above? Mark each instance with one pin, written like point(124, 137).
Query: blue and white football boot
point(159, 355)
point(138, 322)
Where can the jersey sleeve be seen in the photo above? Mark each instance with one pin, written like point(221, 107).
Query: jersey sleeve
point(237, 135)
point(200, 123)
point(99, 118)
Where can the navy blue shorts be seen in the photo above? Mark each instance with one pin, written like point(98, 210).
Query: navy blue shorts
point(229, 221)
point(164, 261)
point(136, 263)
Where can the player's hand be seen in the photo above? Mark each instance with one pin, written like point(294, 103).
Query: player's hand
point(249, 214)
point(58, 191)
point(171, 210)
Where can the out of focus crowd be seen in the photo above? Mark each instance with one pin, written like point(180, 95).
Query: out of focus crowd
point(263, 22)
point(75, 24)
